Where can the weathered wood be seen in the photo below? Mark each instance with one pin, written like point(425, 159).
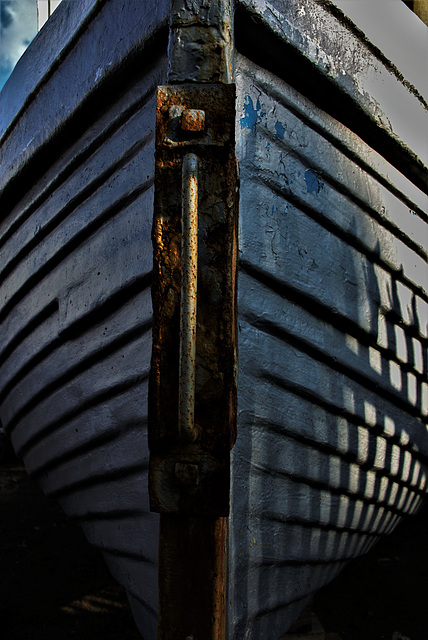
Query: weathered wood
point(75, 313)
point(189, 455)
point(333, 64)
point(200, 48)
point(332, 447)
point(192, 606)
point(331, 383)
point(215, 305)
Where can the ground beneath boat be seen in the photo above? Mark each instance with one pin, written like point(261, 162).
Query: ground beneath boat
point(54, 586)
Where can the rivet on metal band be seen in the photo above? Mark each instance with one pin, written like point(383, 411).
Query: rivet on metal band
point(189, 284)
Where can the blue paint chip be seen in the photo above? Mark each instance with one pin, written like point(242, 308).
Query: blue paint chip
point(313, 183)
point(279, 130)
point(252, 116)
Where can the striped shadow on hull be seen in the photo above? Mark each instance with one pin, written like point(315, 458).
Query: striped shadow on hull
point(76, 312)
point(332, 447)
point(332, 443)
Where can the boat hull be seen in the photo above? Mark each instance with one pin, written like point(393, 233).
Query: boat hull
point(332, 448)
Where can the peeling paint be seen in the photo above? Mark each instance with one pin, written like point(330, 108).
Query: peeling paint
point(313, 183)
point(252, 116)
point(279, 130)
point(272, 210)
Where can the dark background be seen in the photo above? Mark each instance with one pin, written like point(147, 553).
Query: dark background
point(54, 586)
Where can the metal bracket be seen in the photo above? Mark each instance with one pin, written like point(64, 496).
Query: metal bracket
point(192, 397)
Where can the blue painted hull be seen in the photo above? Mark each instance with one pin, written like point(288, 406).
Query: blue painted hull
point(332, 443)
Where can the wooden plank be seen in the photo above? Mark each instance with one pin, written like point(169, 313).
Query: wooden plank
point(329, 60)
point(332, 442)
point(306, 169)
point(64, 397)
point(91, 63)
point(395, 368)
point(75, 272)
point(49, 208)
point(76, 184)
point(289, 103)
point(62, 447)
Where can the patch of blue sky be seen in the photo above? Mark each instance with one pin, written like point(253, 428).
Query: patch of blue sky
point(18, 26)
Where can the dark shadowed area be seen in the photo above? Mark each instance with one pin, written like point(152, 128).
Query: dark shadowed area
point(54, 585)
point(384, 593)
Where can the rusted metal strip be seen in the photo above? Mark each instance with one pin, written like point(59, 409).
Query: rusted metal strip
point(189, 288)
point(192, 399)
point(189, 473)
point(191, 432)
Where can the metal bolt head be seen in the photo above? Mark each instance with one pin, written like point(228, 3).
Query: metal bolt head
point(193, 120)
point(186, 474)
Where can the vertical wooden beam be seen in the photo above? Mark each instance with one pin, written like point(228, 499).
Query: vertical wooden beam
point(200, 44)
point(189, 466)
point(192, 566)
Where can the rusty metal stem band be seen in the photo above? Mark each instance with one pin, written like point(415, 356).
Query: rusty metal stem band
point(189, 285)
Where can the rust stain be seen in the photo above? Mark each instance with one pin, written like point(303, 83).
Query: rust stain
point(190, 445)
point(194, 119)
point(188, 304)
